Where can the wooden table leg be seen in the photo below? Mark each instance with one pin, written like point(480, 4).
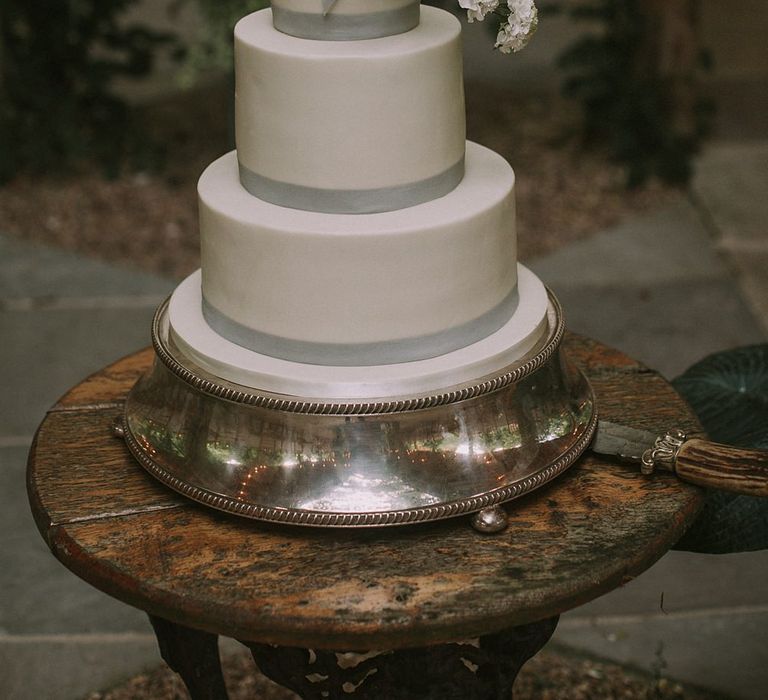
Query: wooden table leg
point(442, 672)
point(194, 655)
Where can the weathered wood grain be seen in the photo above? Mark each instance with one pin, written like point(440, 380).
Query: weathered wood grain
point(596, 358)
point(596, 527)
point(109, 385)
point(83, 472)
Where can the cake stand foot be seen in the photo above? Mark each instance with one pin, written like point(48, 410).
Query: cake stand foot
point(194, 655)
point(118, 427)
point(485, 670)
point(490, 521)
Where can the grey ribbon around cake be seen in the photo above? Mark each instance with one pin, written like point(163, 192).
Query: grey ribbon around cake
point(362, 201)
point(327, 25)
point(363, 354)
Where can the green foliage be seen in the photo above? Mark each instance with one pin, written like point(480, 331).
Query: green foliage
point(214, 49)
point(628, 104)
point(58, 59)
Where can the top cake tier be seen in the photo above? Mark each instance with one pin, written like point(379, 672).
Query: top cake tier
point(344, 20)
point(350, 126)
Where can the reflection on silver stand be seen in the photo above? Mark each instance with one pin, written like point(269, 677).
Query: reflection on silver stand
point(383, 461)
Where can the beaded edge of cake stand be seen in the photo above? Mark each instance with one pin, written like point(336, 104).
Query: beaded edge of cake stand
point(288, 516)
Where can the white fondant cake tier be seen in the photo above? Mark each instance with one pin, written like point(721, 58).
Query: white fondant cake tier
point(524, 330)
point(344, 20)
point(424, 280)
point(350, 126)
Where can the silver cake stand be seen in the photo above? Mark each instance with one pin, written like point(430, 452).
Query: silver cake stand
point(375, 462)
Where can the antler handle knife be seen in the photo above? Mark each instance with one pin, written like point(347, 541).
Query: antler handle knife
point(697, 461)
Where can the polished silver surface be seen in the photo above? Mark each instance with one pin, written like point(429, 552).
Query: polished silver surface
point(118, 428)
point(491, 521)
point(664, 452)
point(383, 462)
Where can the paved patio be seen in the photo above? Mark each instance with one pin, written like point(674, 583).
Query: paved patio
point(669, 288)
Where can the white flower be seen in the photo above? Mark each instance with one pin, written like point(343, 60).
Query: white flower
point(524, 11)
point(517, 32)
point(478, 9)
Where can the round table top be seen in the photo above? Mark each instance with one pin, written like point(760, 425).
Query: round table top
point(594, 528)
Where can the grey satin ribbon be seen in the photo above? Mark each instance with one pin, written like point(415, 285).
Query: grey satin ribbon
point(338, 27)
point(362, 354)
point(331, 201)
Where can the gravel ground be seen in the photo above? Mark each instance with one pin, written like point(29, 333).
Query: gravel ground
point(549, 676)
point(149, 219)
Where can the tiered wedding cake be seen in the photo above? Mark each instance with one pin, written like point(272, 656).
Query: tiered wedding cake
point(361, 347)
point(355, 245)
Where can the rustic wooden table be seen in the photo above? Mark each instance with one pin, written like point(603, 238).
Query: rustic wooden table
point(199, 573)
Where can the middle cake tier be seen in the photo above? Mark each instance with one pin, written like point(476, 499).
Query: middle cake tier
point(350, 126)
point(337, 289)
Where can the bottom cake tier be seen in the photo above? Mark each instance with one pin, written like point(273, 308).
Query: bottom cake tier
point(188, 331)
point(391, 287)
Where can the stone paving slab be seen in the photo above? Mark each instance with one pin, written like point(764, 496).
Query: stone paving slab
point(63, 317)
point(670, 245)
point(731, 184)
point(36, 271)
point(39, 595)
point(70, 667)
point(684, 581)
point(52, 350)
point(655, 288)
point(752, 271)
point(721, 650)
point(667, 327)
point(731, 188)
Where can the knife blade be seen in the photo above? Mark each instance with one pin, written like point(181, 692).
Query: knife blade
point(621, 441)
point(701, 462)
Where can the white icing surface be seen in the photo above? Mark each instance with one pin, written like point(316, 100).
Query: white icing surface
point(342, 7)
point(356, 115)
point(231, 362)
point(333, 278)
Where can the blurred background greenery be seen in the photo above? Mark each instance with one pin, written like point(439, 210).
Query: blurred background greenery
point(110, 109)
point(636, 75)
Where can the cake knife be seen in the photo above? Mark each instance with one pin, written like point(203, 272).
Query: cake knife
point(697, 461)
